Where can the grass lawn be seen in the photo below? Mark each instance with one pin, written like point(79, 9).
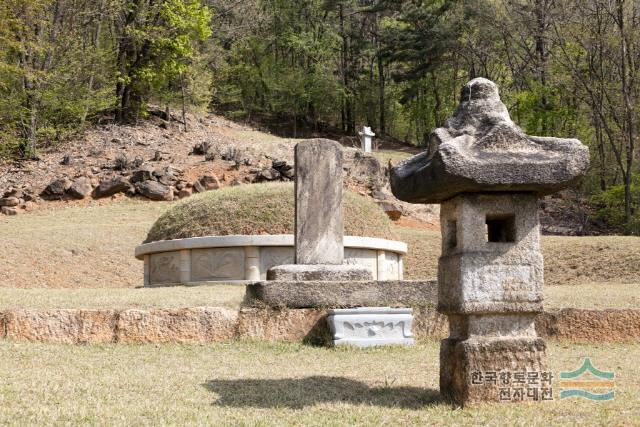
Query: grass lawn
point(229, 296)
point(250, 383)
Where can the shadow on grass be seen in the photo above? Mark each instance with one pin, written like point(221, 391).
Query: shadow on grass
point(301, 392)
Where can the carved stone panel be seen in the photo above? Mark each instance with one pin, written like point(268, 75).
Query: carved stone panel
point(217, 264)
point(364, 327)
point(365, 257)
point(164, 267)
point(391, 266)
point(275, 255)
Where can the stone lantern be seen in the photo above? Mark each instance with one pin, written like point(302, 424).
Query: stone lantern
point(488, 176)
point(366, 139)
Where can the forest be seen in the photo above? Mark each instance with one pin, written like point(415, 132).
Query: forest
point(566, 68)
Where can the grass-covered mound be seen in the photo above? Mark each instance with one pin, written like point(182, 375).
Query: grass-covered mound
point(259, 209)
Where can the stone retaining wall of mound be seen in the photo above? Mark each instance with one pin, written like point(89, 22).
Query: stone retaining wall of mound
point(212, 324)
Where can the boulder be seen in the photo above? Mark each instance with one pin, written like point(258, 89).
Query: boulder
point(197, 187)
point(392, 210)
point(141, 175)
point(210, 182)
point(80, 188)
point(268, 175)
point(185, 192)
point(154, 190)
point(112, 186)
point(6, 210)
point(9, 201)
point(480, 149)
point(57, 188)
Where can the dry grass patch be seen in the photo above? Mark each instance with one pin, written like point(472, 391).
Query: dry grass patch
point(602, 259)
point(87, 246)
point(568, 260)
point(243, 383)
point(228, 296)
point(258, 209)
point(597, 296)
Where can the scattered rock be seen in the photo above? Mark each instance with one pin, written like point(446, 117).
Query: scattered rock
point(9, 210)
point(9, 202)
point(29, 206)
point(57, 188)
point(112, 186)
point(66, 160)
point(201, 148)
point(197, 187)
point(141, 175)
point(81, 188)
point(185, 192)
point(268, 175)
point(209, 182)
point(285, 170)
point(392, 210)
point(154, 190)
point(157, 156)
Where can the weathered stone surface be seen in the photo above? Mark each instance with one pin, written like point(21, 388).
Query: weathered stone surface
point(319, 221)
point(185, 192)
point(393, 211)
point(57, 188)
point(371, 326)
point(326, 272)
point(210, 182)
point(154, 190)
point(283, 325)
point(112, 186)
point(6, 210)
point(470, 369)
point(9, 201)
point(428, 323)
point(198, 324)
point(80, 188)
point(197, 187)
point(317, 294)
point(491, 260)
point(143, 174)
point(69, 326)
point(480, 149)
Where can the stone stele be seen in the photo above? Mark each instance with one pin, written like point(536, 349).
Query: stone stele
point(319, 225)
point(488, 176)
point(319, 222)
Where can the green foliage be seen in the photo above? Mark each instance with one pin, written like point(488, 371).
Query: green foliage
point(609, 206)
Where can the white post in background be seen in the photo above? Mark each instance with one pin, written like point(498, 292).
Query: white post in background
point(366, 138)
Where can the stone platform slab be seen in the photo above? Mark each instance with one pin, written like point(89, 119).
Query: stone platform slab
point(320, 272)
point(78, 326)
point(341, 294)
